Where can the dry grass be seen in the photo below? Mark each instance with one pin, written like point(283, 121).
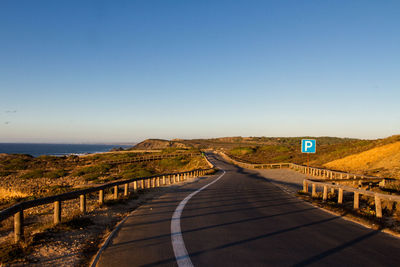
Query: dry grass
point(380, 161)
point(6, 194)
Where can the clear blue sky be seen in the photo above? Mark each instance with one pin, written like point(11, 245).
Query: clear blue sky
point(123, 71)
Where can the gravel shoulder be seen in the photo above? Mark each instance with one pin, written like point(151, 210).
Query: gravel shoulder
point(289, 179)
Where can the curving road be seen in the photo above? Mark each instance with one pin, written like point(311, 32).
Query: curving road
point(242, 219)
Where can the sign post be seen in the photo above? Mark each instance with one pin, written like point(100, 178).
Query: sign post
point(308, 146)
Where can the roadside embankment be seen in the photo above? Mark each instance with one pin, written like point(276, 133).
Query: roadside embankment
point(84, 212)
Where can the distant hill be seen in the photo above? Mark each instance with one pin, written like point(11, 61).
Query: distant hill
point(153, 144)
point(380, 161)
point(275, 149)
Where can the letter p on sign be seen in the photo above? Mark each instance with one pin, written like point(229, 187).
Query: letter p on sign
point(308, 146)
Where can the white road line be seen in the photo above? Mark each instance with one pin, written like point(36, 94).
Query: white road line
point(181, 254)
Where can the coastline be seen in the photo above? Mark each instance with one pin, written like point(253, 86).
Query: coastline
point(37, 149)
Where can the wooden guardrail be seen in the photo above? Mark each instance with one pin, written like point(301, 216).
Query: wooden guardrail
point(137, 183)
point(311, 171)
point(378, 197)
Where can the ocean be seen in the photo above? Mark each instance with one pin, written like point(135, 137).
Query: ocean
point(56, 149)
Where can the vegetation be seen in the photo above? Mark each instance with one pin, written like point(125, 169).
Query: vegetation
point(33, 174)
point(47, 175)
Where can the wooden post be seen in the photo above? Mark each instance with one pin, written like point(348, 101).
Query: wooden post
point(126, 189)
point(356, 200)
point(163, 180)
point(135, 186)
point(57, 212)
point(325, 194)
point(340, 196)
point(305, 186)
point(314, 190)
point(115, 192)
point(158, 182)
point(82, 203)
point(378, 207)
point(101, 196)
point(19, 226)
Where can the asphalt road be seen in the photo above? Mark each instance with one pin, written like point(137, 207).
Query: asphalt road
point(244, 220)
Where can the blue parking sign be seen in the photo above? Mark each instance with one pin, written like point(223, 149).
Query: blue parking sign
point(308, 146)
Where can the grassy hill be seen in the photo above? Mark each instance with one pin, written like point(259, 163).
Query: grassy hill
point(160, 144)
point(381, 161)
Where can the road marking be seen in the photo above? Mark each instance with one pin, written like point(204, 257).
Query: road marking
point(181, 254)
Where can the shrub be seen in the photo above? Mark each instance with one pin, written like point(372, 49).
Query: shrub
point(95, 169)
point(281, 158)
point(18, 162)
point(38, 173)
point(136, 174)
point(171, 150)
point(56, 174)
point(240, 151)
point(91, 176)
point(5, 173)
point(173, 163)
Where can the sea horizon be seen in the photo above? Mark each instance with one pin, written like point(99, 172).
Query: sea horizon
point(58, 149)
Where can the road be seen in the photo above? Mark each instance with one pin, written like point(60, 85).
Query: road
point(243, 219)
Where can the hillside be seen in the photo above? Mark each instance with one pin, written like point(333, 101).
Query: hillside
point(273, 149)
point(381, 161)
point(155, 144)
